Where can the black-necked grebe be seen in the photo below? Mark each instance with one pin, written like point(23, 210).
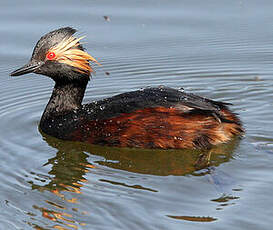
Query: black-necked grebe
point(159, 117)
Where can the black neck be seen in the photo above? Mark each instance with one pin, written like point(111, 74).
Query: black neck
point(66, 97)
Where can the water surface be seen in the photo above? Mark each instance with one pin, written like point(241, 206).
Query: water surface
point(219, 49)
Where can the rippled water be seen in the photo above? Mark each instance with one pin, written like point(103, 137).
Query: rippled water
point(218, 49)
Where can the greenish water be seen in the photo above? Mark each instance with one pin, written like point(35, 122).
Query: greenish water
point(218, 49)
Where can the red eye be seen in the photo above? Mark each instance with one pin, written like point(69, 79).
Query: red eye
point(50, 55)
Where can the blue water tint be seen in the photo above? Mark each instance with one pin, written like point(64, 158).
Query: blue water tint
point(218, 49)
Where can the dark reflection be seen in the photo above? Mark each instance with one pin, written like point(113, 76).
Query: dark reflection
point(194, 218)
point(67, 171)
point(128, 186)
point(73, 160)
point(145, 161)
point(224, 201)
point(65, 180)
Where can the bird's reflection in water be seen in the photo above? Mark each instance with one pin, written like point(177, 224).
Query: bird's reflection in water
point(65, 178)
point(74, 160)
point(73, 156)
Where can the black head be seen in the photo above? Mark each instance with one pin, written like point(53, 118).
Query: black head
point(60, 56)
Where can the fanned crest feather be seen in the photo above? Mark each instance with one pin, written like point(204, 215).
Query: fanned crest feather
point(68, 52)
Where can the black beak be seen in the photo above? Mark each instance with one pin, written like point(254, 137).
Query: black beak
point(28, 68)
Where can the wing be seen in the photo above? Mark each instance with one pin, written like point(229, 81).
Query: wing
point(152, 118)
point(151, 98)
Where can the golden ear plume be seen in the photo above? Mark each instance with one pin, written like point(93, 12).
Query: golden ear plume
point(67, 52)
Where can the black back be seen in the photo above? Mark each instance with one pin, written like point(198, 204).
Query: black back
point(149, 98)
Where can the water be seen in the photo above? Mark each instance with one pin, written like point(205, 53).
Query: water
point(219, 49)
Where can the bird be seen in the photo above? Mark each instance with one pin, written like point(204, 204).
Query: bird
point(150, 118)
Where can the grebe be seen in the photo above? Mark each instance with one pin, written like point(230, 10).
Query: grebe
point(159, 117)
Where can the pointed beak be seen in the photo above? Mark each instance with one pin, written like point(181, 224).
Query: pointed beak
point(28, 68)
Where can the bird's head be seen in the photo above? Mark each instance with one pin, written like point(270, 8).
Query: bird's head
point(59, 55)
